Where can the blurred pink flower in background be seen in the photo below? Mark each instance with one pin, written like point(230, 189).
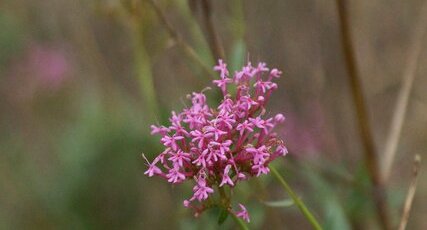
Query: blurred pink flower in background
point(309, 134)
point(40, 68)
point(49, 65)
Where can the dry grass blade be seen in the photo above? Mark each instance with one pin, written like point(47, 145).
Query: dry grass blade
point(404, 93)
point(411, 193)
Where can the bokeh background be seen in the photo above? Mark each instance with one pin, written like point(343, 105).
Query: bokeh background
point(81, 82)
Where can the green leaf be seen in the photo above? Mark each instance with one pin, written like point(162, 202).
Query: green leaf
point(327, 196)
point(222, 216)
point(280, 203)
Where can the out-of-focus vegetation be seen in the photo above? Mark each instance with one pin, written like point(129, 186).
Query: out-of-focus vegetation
point(81, 82)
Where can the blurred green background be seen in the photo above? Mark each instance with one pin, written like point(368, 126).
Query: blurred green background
point(81, 82)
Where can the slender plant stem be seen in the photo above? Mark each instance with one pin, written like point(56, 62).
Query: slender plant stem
point(300, 204)
point(370, 155)
point(188, 50)
point(411, 193)
point(238, 221)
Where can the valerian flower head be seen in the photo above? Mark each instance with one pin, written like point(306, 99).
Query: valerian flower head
point(219, 146)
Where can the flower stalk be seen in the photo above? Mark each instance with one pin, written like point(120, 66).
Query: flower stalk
point(300, 204)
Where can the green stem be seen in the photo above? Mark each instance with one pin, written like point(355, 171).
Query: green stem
point(224, 198)
point(239, 221)
point(300, 204)
point(144, 74)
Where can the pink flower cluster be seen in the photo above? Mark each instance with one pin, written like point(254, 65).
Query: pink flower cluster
point(218, 147)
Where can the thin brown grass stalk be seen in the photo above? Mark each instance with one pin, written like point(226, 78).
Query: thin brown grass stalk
point(365, 131)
